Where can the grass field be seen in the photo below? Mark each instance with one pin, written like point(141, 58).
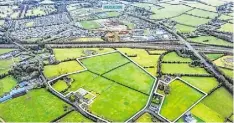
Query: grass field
point(182, 69)
point(206, 114)
point(143, 58)
point(203, 83)
point(60, 85)
point(133, 77)
point(37, 106)
point(157, 51)
point(206, 14)
point(180, 98)
point(169, 11)
point(172, 56)
point(5, 64)
point(2, 51)
point(114, 102)
point(61, 68)
point(201, 6)
point(227, 72)
point(146, 117)
point(210, 40)
point(90, 24)
point(190, 20)
point(74, 117)
point(227, 27)
point(118, 103)
point(184, 29)
point(213, 56)
point(225, 61)
point(103, 63)
point(90, 82)
point(220, 101)
point(6, 84)
point(66, 53)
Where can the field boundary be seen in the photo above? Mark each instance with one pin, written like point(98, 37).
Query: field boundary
point(205, 94)
point(85, 69)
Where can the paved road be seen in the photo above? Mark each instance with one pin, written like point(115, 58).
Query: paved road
point(130, 45)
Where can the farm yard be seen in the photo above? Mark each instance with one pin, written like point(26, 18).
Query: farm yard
point(181, 97)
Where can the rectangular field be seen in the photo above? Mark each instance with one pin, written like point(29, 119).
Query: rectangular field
point(51, 71)
point(103, 63)
point(210, 40)
point(172, 56)
point(143, 58)
point(74, 116)
point(184, 29)
point(182, 69)
point(202, 13)
point(205, 84)
point(220, 101)
point(118, 103)
point(180, 99)
point(190, 20)
point(132, 76)
point(66, 53)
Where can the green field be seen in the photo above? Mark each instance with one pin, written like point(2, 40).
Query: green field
point(66, 53)
point(146, 117)
point(210, 40)
point(203, 83)
point(225, 62)
point(51, 71)
point(90, 24)
point(133, 77)
point(220, 101)
point(172, 56)
point(213, 56)
point(143, 58)
point(206, 114)
point(118, 103)
point(182, 69)
point(190, 20)
point(114, 102)
point(5, 65)
point(184, 29)
point(201, 5)
point(6, 84)
point(2, 51)
point(206, 14)
point(60, 85)
point(227, 27)
point(169, 11)
point(103, 63)
point(227, 72)
point(89, 81)
point(36, 106)
point(74, 117)
point(180, 98)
